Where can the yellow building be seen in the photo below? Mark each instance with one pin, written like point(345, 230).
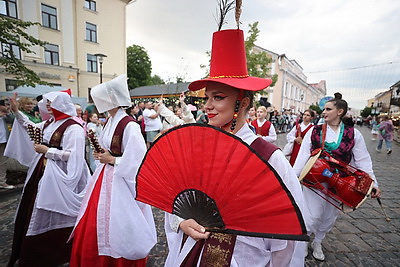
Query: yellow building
point(86, 41)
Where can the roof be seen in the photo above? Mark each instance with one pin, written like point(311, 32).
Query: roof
point(173, 89)
point(33, 92)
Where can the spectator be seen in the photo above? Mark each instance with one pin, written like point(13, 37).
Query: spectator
point(152, 122)
point(6, 117)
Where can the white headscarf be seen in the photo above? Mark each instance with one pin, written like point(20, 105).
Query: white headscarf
point(111, 94)
point(60, 102)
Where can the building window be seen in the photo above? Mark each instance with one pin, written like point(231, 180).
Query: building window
point(51, 54)
point(91, 32)
point(11, 85)
point(91, 63)
point(89, 4)
point(10, 50)
point(49, 16)
point(8, 8)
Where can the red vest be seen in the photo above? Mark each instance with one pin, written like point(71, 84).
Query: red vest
point(263, 130)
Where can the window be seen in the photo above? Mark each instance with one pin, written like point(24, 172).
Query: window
point(8, 8)
point(11, 84)
point(91, 63)
point(9, 50)
point(91, 32)
point(49, 17)
point(51, 54)
point(89, 4)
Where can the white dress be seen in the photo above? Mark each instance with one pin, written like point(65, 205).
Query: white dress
point(248, 251)
point(125, 226)
point(319, 215)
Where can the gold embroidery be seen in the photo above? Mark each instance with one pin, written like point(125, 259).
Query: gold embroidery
point(56, 137)
point(216, 256)
point(115, 140)
point(227, 238)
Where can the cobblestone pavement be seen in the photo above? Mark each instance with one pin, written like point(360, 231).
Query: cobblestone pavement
point(361, 238)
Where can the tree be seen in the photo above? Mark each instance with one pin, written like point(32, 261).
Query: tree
point(316, 108)
point(366, 112)
point(13, 33)
point(139, 68)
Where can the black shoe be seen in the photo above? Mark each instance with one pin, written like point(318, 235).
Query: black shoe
point(389, 151)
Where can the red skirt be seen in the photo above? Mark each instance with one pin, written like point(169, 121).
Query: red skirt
point(84, 249)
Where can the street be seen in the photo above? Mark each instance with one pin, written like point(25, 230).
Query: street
point(361, 238)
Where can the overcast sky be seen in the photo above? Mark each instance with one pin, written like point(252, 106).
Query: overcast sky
point(327, 38)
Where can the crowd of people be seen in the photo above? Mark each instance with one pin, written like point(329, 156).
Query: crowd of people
point(78, 204)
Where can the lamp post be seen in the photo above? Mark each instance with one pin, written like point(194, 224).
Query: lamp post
point(101, 59)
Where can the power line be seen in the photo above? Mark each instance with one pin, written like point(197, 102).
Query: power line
point(354, 68)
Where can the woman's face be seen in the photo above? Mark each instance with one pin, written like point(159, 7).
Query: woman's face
point(28, 106)
point(94, 118)
point(252, 112)
point(331, 114)
point(48, 103)
point(307, 117)
point(261, 114)
point(220, 104)
point(79, 112)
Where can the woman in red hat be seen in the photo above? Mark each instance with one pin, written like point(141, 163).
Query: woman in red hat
point(229, 95)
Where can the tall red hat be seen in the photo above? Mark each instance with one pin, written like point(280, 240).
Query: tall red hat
point(229, 65)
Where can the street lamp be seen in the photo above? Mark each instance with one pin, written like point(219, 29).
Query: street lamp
point(101, 59)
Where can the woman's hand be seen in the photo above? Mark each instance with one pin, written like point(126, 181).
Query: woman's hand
point(182, 97)
point(13, 102)
point(298, 140)
point(194, 230)
point(105, 157)
point(376, 192)
point(39, 148)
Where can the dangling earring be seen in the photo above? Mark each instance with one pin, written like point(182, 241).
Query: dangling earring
point(235, 115)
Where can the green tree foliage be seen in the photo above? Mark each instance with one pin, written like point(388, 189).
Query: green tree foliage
point(316, 108)
point(366, 112)
point(139, 68)
point(13, 31)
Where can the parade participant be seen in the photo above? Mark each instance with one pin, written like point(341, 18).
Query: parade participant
point(229, 94)
point(343, 142)
point(297, 133)
point(112, 228)
point(55, 183)
point(263, 126)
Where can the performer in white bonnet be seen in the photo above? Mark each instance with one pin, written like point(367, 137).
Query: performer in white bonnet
point(113, 228)
point(55, 183)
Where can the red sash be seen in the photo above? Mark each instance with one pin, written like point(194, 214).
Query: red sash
point(264, 129)
point(296, 146)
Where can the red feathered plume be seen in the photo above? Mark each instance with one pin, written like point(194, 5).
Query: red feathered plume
point(201, 172)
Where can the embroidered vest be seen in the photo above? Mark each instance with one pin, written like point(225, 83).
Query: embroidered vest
point(343, 152)
point(116, 141)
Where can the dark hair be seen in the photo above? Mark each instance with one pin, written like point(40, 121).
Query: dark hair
point(312, 112)
point(250, 95)
point(339, 103)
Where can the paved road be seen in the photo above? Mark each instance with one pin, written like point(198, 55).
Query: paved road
point(361, 238)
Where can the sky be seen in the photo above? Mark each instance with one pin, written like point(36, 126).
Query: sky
point(352, 44)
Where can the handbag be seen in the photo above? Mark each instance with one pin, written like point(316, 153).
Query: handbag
point(287, 149)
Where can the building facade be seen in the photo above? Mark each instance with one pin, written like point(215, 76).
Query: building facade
point(86, 41)
point(291, 91)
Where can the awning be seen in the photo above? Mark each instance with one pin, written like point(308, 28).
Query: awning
point(165, 90)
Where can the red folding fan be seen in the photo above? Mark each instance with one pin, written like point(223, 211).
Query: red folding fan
point(201, 172)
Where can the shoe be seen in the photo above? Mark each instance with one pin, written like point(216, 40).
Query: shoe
point(6, 186)
point(378, 150)
point(317, 253)
point(389, 151)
